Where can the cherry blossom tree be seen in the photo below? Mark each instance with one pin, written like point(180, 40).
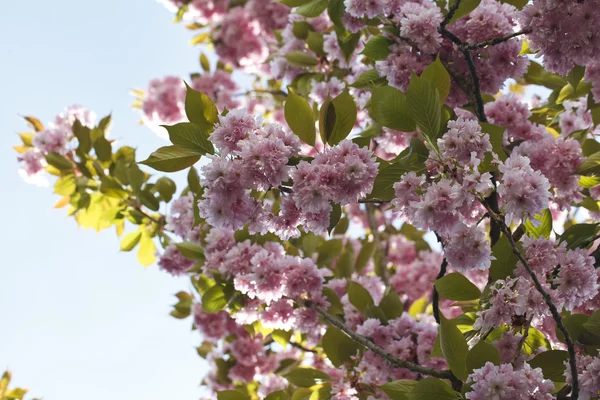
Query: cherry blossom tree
point(383, 214)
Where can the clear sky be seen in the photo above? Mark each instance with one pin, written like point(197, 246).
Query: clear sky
point(78, 319)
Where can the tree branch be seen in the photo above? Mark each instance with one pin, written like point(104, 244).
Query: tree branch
point(498, 40)
point(450, 14)
point(435, 296)
point(553, 310)
point(392, 360)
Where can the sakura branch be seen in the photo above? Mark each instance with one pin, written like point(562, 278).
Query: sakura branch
point(395, 361)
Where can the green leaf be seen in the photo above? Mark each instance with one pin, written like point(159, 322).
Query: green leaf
point(34, 123)
point(336, 11)
point(456, 286)
point(315, 42)
point(306, 377)
point(200, 109)
point(345, 117)
point(344, 265)
point(300, 29)
point(454, 347)
point(59, 162)
point(537, 75)
point(481, 353)
point(148, 199)
point(535, 339)
point(191, 250)
point(552, 363)
point(312, 9)
point(424, 106)
point(432, 388)
point(232, 395)
point(301, 59)
point(190, 137)
point(334, 216)
point(278, 395)
point(326, 119)
point(166, 188)
point(389, 107)
point(377, 48)
point(589, 181)
point(592, 325)
point(505, 261)
point(589, 165)
point(294, 3)
point(194, 181)
point(369, 79)
point(364, 255)
point(496, 134)
point(131, 240)
point(465, 7)
point(575, 76)
point(65, 186)
point(300, 117)
point(398, 390)
point(204, 63)
point(359, 296)
point(391, 305)
point(517, 3)
point(147, 250)
point(544, 225)
point(412, 159)
point(171, 159)
point(439, 76)
point(214, 299)
point(578, 234)
point(282, 337)
point(338, 347)
point(103, 149)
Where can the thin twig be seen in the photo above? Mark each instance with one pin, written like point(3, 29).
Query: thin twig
point(391, 359)
point(522, 341)
point(367, 201)
point(498, 40)
point(299, 346)
point(553, 310)
point(450, 14)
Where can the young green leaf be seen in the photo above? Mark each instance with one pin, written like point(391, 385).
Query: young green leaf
point(345, 117)
point(481, 353)
point(191, 137)
point(389, 107)
point(454, 347)
point(338, 347)
point(377, 48)
point(200, 109)
point(312, 9)
point(214, 299)
point(359, 296)
point(456, 286)
point(300, 117)
point(306, 377)
point(424, 106)
point(542, 227)
point(171, 159)
point(439, 76)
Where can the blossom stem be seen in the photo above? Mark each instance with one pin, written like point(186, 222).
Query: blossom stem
point(553, 310)
point(392, 360)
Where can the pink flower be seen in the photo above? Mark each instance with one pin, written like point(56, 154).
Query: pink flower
point(467, 248)
point(173, 262)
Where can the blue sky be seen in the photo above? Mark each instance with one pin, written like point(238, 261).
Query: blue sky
point(79, 320)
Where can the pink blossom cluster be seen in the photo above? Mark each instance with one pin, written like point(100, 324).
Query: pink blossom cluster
point(180, 219)
point(173, 262)
point(252, 157)
point(592, 74)
point(418, 23)
point(413, 278)
point(390, 143)
point(568, 276)
point(200, 11)
point(267, 276)
point(588, 373)
point(505, 382)
point(563, 32)
point(523, 191)
point(55, 138)
point(342, 174)
point(164, 100)
point(403, 337)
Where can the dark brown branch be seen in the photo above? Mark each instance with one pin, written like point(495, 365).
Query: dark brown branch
point(498, 40)
point(435, 296)
point(392, 360)
point(367, 201)
point(299, 346)
point(547, 299)
point(450, 14)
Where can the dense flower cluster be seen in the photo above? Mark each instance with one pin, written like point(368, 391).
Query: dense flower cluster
point(588, 372)
point(505, 382)
point(164, 100)
point(55, 138)
point(563, 32)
